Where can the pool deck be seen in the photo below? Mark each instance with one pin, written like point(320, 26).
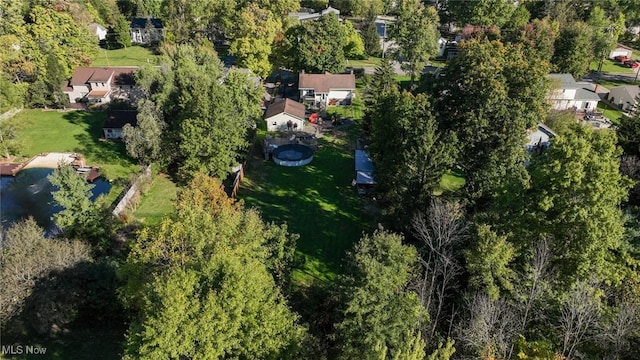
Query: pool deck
point(52, 161)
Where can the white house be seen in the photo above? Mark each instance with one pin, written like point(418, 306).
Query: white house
point(621, 50)
point(327, 89)
point(116, 120)
point(101, 85)
point(98, 30)
point(286, 115)
point(567, 94)
point(307, 16)
point(146, 30)
point(625, 97)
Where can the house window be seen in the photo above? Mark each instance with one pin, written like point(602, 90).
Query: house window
point(109, 131)
point(274, 123)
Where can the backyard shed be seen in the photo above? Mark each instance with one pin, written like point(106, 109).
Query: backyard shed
point(286, 115)
point(116, 120)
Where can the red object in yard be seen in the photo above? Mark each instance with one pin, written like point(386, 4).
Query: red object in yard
point(313, 118)
point(632, 64)
point(621, 58)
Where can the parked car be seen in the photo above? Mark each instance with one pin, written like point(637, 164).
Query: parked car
point(621, 58)
point(631, 63)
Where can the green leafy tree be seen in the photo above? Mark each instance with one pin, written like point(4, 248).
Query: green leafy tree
point(254, 36)
point(28, 257)
point(492, 94)
point(416, 34)
point(80, 216)
point(577, 188)
point(359, 8)
point(203, 283)
point(12, 16)
point(482, 12)
point(408, 172)
point(354, 46)
point(121, 29)
point(538, 38)
point(380, 85)
point(382, 317)
point(573, 49)
point(144, 141)
point(629, 134)
point(370, 37)
point(208, 115)
point(488, 262)
point(317, 46)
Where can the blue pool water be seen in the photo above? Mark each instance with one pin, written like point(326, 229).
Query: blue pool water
point(29, 194)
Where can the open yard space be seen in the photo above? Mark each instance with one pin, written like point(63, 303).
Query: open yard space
point(613, 83)
point(610, 66)
point(368, 62)
point(158, 201)
point(131, 56)
point(609, 112)
point(72, 131)
point(317, 201)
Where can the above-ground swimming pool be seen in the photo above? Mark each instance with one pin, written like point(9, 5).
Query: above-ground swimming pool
point(292, 155)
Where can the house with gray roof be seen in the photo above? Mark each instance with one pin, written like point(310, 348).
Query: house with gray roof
point(146, 30)
point(567, 94)
point(624, 97)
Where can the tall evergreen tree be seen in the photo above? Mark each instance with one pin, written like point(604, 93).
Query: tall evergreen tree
point(370, 36)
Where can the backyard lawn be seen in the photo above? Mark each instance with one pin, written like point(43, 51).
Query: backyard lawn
point(158, 201)
point(316, 201)
point(610, 66)
point(131, 56)
point(610, 113)
point(368, 62)
point(73, 131)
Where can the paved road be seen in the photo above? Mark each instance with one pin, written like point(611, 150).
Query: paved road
point(616, 76)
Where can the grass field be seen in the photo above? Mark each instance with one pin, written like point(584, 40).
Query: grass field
point(610, 66)
point(368, 62)
point(131, 56)
point(73, 131)
point(158, 201)
point(610, 113)
point(609, 83)
point(451, 181)
point(316, 201)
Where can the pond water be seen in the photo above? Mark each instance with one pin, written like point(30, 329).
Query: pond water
point(30, 194)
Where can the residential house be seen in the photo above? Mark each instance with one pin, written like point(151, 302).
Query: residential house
point(285, 115)
point(621, 50)
point(624, 97)
point(303, 16)
point(327, 89)
point(146, 30)
point(116, 120)
point(95, 85)
point(98, 30)
point(567, 94)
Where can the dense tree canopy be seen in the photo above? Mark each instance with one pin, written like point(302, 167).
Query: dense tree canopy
point(482, 12)
point(416, 35)
point(382, 317)
point(208, 114)
point(573, 49)
point(489, 96)
point(203, 281)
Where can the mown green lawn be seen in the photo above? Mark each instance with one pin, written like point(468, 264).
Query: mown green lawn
point(610, 66)
point(72, 131)
point(368, 62)
point(613, 83)
point(609, 112)
point(317, 202)
point(158, 201)
point(130, 56)
point(451, 181)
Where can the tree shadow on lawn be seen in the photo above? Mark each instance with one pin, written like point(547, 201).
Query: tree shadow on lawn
point(74, 313)
point(104, 152)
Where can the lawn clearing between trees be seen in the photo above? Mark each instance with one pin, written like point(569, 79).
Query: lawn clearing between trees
point(317, 202)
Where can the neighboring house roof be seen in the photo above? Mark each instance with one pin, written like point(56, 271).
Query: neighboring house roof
point(116, 119)
point(586, 95)
point(627, 93)
point(141, 23)
point(286, 106)
point(565, 81)
point(82, 75)
point(101, 75)
point(325, 82)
